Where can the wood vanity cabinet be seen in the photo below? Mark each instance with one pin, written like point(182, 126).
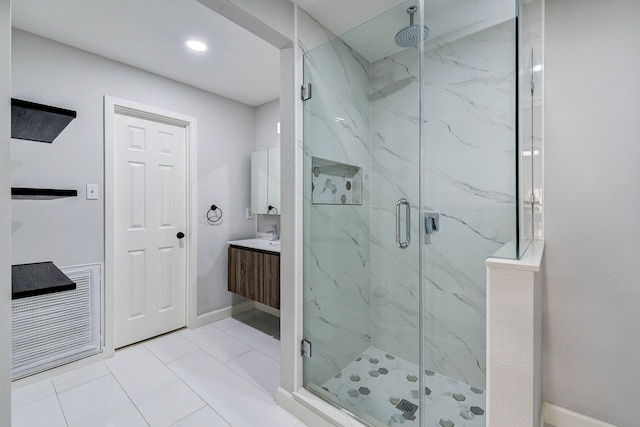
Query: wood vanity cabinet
point(271, 295)
point(255, 274)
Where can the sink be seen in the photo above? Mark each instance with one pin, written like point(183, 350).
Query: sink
point(265, 245)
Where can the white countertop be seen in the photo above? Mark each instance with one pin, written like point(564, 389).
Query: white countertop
point(261, 244)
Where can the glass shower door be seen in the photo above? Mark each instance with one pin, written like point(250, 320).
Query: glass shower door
point(361, 227)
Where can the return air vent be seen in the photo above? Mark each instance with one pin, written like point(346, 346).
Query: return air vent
point(38, 122)
point(53, 329)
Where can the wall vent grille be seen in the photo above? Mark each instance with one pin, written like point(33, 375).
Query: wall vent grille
point(53, 329)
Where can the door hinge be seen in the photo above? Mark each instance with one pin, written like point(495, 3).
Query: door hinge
point(533, 87)
point(305, 92)
point(305, 348)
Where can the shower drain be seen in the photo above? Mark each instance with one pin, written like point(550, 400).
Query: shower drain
point(407, 407)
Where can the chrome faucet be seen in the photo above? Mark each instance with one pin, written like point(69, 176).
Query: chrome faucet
point(274, 231)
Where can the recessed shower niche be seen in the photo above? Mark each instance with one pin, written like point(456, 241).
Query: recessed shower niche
point(335, 183)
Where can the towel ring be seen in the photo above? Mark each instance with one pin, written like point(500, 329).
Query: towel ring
point(214, 214)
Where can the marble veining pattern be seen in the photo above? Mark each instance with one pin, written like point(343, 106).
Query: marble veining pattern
point(336, 250)
point(377, 381)
point(469, 157)
point(360, 289)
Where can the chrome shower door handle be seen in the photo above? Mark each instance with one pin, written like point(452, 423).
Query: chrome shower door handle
point(403, 245)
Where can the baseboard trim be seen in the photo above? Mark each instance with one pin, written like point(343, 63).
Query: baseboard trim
point(223, 313)
point(561, 417)
point(272, 311)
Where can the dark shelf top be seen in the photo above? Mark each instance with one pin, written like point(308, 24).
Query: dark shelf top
point(28, 280)
point(22, 193)
point(38, 122)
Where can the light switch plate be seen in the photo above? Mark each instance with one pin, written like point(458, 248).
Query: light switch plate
point(249, 214)
point(92, 191)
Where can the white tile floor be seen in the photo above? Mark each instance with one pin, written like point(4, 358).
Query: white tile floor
point(223, 374)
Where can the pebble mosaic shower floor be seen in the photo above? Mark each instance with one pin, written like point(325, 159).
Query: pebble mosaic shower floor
point(377, 382)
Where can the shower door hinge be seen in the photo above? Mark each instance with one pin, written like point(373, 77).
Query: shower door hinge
point(305, 348)
point(533, 87)
point(305, 92)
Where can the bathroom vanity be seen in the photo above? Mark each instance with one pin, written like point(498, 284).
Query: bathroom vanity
point(254, 270)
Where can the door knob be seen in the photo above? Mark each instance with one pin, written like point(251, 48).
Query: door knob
point(180, 235)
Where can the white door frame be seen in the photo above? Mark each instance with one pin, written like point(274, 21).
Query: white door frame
point(113, 106)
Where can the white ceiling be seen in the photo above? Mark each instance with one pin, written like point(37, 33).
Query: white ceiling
point(150, 34)
point(370, 26)
point(340, 16)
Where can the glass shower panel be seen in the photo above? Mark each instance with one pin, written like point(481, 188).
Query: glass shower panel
point(469, 196)
point(526, 151)
point(361, 289)
point(531, 67)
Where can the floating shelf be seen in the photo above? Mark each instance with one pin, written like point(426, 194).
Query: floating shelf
point(38, 122)
point(40, 193)
point(39, 278)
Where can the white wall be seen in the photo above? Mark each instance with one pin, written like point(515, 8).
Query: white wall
point(592, 293)
point(267, 115)
point(70, 231)
point(5, 213)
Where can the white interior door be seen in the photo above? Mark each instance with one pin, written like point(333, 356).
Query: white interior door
point(150, 190)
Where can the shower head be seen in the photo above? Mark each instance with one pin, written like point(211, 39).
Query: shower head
point(413, 34)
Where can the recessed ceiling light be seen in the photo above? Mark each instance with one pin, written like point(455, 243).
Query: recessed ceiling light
point(196, 45)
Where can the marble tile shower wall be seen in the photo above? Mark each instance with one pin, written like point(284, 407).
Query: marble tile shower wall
point(395, 174)
point(469, 181)
point(336, 247)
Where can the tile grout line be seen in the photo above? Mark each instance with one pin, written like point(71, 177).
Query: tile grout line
point(234, 373)
point(206, 404)
point(239, 355)
point(83, 382)
point(254, 348)
point(238, 374)
point(202, 349)
point(127, 394)
point(166, 365)
point(249, 382)
point(200, 409)
point(246, 352)
point(179, 358)
point(59, 403)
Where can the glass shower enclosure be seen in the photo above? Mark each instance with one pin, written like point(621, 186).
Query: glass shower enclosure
point(411, 182)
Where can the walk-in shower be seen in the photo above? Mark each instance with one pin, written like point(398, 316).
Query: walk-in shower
point(411, 180)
